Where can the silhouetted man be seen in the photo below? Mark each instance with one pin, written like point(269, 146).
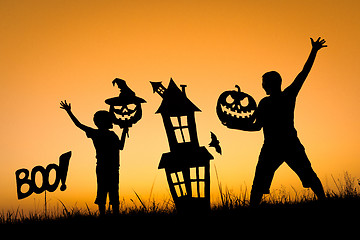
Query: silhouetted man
point(275, 115)
point(107, 146)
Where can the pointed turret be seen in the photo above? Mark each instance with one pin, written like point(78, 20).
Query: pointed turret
point(158, 88)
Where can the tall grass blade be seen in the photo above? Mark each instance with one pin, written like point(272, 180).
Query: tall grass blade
point(219, 185)
point(65, 211)
point(336, 183)
point(152, 187)
point(88, 209)
point(142, 203)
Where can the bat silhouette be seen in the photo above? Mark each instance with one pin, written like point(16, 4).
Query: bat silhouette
point(215, 143)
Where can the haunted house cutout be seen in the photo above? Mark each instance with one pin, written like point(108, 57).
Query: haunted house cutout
point(187, 165)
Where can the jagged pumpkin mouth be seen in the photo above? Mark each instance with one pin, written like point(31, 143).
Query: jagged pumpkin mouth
point(125, 112)
point(237, 113)
point(124, 116)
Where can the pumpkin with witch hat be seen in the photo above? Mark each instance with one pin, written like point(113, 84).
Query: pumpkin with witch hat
point(126, 108)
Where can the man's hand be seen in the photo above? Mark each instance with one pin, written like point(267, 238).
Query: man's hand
point(66, 106)
point(318, 44)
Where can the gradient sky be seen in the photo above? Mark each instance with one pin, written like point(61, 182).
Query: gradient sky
point(56, 50)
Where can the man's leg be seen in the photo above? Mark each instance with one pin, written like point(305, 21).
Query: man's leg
point(264, 174)
point(255, 198)
point(317, 188)
point(302, 167)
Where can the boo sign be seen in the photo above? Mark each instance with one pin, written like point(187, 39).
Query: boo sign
point(22, 177)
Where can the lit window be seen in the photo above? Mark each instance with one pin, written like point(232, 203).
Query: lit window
point(198, 189)
point(197, 173)
point(179, 184)
point(201, 173)
point(197, 178)
point(180, 190)
point(174, 178)
point(181, 128)
point(201, 189)
point(193, 173)
point(194, 189)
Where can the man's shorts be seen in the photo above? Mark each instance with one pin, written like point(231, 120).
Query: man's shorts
point(273, 155)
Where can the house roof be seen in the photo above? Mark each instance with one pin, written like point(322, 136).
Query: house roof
point(175, 102)
point(180, 159)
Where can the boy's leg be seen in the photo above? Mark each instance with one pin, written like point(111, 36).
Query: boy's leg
point(264, 174)
point(114, 192)
point(101, 191)
point(115, 208)
point(101, 209)
point(302, 167)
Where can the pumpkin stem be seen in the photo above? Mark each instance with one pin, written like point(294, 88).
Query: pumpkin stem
point(238, 88)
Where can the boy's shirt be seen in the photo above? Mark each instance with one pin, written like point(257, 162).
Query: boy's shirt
point(277, 115)
point(107, 146)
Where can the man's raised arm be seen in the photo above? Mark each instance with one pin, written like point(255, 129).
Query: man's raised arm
point(300, 79)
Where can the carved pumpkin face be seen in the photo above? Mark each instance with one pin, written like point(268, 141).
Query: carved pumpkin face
point(126, 112)
point(236, 108)
point(126, 115)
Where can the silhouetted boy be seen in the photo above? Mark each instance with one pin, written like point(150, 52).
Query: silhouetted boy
point(275, 115)
point(107, 146)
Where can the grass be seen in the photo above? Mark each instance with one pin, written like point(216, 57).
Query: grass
point(280, 204)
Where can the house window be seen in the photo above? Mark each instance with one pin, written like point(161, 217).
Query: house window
point(177, 179)
point(197, 178)
point(161, 90)
point(181, 128)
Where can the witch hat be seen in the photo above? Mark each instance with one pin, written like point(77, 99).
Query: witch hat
point(126, 95)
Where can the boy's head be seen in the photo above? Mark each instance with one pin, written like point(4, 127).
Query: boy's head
point(271, 82)
point(103, 119)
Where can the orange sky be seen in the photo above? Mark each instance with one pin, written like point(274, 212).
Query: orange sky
point(55, 50)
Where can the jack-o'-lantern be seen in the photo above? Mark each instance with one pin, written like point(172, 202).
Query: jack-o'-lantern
point(236, 108)
point(126, 108)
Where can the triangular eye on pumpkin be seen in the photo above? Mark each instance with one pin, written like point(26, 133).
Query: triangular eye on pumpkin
point(244, 102)
point(229, 99)
point(116, 109)
point(131, 106)
point(236, 108)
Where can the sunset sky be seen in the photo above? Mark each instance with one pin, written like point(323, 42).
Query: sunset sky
point(62, 49)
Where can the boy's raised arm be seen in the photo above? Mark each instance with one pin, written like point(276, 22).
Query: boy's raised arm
point(67, 107)
point(300, 78)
